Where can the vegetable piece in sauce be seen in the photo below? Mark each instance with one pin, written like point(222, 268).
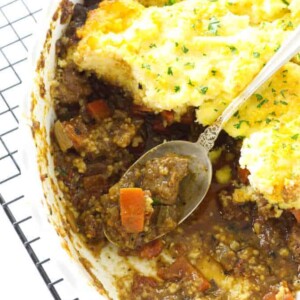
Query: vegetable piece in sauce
point(132, 206)
point(99, 110)
point(62, 138)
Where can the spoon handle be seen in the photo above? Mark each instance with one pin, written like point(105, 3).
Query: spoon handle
point(288, 49)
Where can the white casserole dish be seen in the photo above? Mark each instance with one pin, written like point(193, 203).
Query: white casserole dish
point(91, 277)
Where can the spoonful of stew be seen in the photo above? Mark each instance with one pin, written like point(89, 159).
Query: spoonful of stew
point(162, 188)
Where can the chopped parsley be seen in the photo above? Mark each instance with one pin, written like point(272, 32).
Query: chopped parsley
point(152, 45)
point(214, 25)
point(214, 72)
point(233, 49)
point(203, 90)
point(295, 136)
point(262, 103)
point(268, 120)
point(258, 97)
point(190, 82)
point(283, 102)
point(184, 49)
point(282, 93)
point(256, 54)
point(239, 124)
point(236, 114)
point(170, 71)
point(177, 88)
point(285, 2)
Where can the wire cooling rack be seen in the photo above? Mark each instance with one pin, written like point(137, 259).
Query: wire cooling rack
point(18, 19)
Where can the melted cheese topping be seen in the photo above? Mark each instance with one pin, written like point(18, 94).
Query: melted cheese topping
point(203, 53)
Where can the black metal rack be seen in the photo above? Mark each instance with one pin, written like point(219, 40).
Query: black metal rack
point(15, 18)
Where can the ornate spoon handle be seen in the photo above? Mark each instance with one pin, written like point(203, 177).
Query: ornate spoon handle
point(288, 49)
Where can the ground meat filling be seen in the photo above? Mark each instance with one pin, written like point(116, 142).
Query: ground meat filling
point(99, 133)
point(159, 180)
point(163, 176)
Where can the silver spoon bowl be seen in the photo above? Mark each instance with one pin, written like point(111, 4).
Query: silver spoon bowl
point(195, 186)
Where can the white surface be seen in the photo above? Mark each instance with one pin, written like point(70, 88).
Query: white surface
point(18, 276)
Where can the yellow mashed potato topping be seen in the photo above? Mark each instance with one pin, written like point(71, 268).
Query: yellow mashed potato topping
point(202, 54)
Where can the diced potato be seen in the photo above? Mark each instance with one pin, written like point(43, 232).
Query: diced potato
point(214, 155)
point(62, 138)
point(223, 175)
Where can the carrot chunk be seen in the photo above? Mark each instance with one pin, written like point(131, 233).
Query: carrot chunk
point(132, 206)
point(99, 110)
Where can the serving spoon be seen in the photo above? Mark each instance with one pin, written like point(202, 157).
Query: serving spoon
point(195, 186)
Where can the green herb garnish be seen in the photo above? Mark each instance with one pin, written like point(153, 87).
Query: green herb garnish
point(184, 49)
point(177, 88)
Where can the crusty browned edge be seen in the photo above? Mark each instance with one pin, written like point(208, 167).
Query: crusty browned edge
point(40, 133)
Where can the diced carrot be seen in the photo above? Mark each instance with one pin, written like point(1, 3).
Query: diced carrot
point(168, 116)
point(243, 175)
point(188, 118)
point(99, 110)
point(132, 206)
point(152, 249)
point(181, 269)
point(296, 213)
